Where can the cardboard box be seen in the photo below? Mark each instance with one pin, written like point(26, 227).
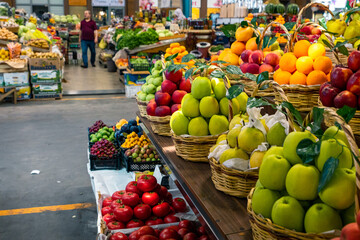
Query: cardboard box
point(16, 79)
point(44, 64)
point(47, 89)
point(134, 79)
point(23, 92)
point(45, 76)
point(131, 91)
point(9, 66)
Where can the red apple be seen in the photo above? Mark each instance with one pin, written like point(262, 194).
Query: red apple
point(315, 31)
point(162, 98)
point(245, 55)
point(358, 219)
point(173, 76)
point(252, 68)
point(150, 108)
point(190, 236)
point(350, 232)
point(162, 111)
point(328, 94)
point(256, 57)
point(175, 107)
point(353, 85)
point(339, 77)
point(185, 85)
point(354, 61)
point(272, 59)
point(178, 96)
point(168, 86)
point(306, 30)
point(276, 67)
point(243, 67)
point(266, 67)
point(345, 98)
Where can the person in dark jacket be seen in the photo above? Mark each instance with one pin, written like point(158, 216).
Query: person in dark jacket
point(88, 37)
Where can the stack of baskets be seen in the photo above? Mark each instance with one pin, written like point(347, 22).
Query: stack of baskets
point(142, 107)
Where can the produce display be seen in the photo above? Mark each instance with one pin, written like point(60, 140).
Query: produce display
point(133, 139)
point(152, 84)
point(49, 55)
point(5, 34)
point(176, 48)
point(103, 149)
point(10, 23)
point(103, 133)
point(133, 38)
point(122, 62)
point(277, 8)
point(66, 19)
point(40, 43)
point(4, 54)
point(165, 33)
point(146, 153)
point(97, 126)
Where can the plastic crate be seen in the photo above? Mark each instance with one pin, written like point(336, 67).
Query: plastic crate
point(139, 67)
point(132, 166)
point(113, 163)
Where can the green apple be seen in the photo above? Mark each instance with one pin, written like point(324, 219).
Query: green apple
point(233, 153)
point(250, 138)
point(321, 218)
point(158, 88)
point(348, 215)
point(190, 106)
point(334, 148)
point(218, 124)
point(142, 96)
point(155, 73)
point(158, 65)
point(288, 213)
point(179, 123)
point(274, 150)
point(232, 136)
point(218, 87)
point(273, 171)
point(201, 87)
point(209, 106)
point(224, 106)
point(157, 81)
point(151, 88)
point(276, 135)
point(263, 200)
point(198, 127)
point(242, 100)
point(335, 132)
point(150, 80)
point(291, 142)
point(150, 96)
point(235, 121)
point(302, 182)
point(339, 192)
point(258, 184)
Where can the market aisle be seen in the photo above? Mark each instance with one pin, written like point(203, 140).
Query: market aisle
point(91, 79)
point(51, 136)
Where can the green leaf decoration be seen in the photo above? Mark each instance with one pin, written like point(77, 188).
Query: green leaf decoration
point(265, 41)
point(244, 24)
point(328, 171)
point(234, 91)
point(326, 43)
point(318, 116)
point(339, 44)
point(171, 57)
point(250, 76)
point(175, 67)
point(272, 41)
point(308, 150)
point(347, 113)
point(204, 66)
point(258, 102)
point(343, 50)
point(229, 30)
point(289, 25)
point(257, 40)
point(188, 73)
point(217, 74)
point(187, 58)
point(262, 77)
point(234, 70)
point(322, 23)
point(293, 111)
point(253, 22)
point(218, 62)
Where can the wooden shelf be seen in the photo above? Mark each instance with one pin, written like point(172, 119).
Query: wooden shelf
point(226, 216)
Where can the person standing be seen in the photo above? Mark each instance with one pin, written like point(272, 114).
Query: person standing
point(88, 37)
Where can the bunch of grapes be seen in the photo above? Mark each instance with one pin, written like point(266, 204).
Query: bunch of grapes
point(96, 126)
point(103, 149)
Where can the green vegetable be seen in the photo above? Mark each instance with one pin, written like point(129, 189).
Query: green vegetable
point(134, 38)
point(293, 9)
point(217, 48)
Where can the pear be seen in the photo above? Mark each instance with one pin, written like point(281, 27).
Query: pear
point(209, 106)
point(221, 138)
point(249, 138)
point(232, 136)
point(218, 124)
point(334, 148)
point(242, 100)
point(190, 106)
point(335, 132)
point(218, 87)
point(236, 120)
point(198, 127)
point(224, 106)
point(276, 135)
point(291, 142)
point(256, 159)
point(233, 153)
point(179, 123)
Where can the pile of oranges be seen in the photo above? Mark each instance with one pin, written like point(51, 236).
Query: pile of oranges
point(176, 48)
point(307, 65)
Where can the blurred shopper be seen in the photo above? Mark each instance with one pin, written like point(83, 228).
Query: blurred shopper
point(88, 37)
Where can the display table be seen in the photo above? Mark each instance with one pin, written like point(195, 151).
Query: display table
point(225, 215)
point(159, 46)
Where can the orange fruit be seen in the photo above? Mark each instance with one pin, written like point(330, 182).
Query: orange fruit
point(304, 64)
point(240, 61)
point(276, 73)
point(231, 59)
point(251, 44)
point(185, 53)
point(182, 48)
point(323, 63)
point(175, 50)
point(283, 77)
point(298, 78)
point(288, 62)
point(173, 45)
point(237, 47)
point(223, 53)
point(328, 77)
point(316, 77)
point(167, 55)
point(316, 50)
point(168, 50)
point(244, 34)
point(301, 48)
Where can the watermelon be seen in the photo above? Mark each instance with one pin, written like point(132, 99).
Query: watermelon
point(292, 9)
point(270, 8)
point(280, 8)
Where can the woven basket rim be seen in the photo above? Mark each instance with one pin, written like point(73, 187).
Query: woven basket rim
point(301, 87)
point(231, 171)
point(186, 137)
point(139, 102)
point(157, 119)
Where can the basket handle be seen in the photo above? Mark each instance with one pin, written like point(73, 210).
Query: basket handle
point(288, 36)
point(313, 4)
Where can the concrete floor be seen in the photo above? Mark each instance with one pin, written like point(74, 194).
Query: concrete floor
point(51, 136)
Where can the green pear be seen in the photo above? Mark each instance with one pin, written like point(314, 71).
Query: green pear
point(291, 142)
point(190, 106)
point(150, 80)
point(339, 192)
point(156, 73)
point(256, 159)
point(179, 123)
point(232, 136)
point(348, 215)
point(198, 127)
point(218, 124)
point(334, 148)
point(274, 150)
point(321, 218)
point(158, 88)
point(142, 96)
point(143, 87)
point(236, 120)
point(250, 138)
point(288, 213)
point(149, 97)
point(276, 135)
point(302, 182)
point(221, 138)
point(273, 171)
point(263, 200)
point(209, 106)
point(242, 100)
point(233, 153)
point(151, 88)
point(201, 87)
point(224, 106)
point(218, 87)
point(335, 132)
point(158, 65)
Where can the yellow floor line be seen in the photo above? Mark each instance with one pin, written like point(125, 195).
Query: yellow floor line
point(77, 99)
point(44, 209)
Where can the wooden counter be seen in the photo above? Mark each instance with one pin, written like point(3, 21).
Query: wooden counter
point(226, 216)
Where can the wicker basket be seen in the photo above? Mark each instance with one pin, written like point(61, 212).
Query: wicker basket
point(142, 107)
point(160, 125)
point(264, 228)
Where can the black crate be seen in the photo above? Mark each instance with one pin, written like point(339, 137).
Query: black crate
point(139, 67)
point(113, 163)
point(132, 166)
